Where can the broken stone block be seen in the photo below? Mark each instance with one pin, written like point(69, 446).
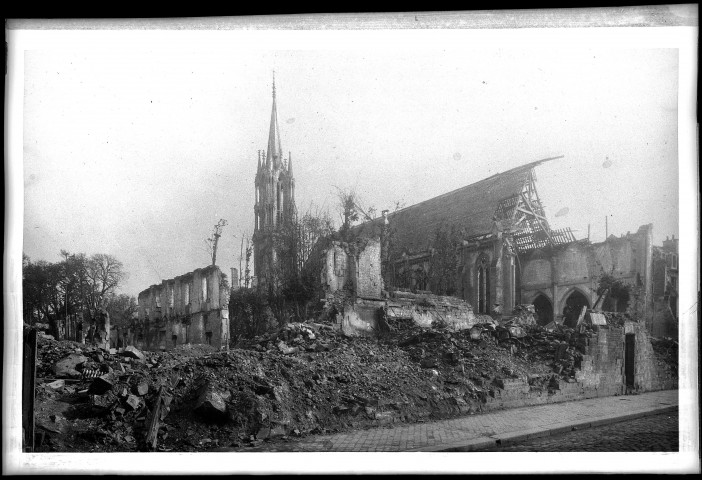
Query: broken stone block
point(133, 352)
point(121, 391)
point(103, 401)
point(102, 384)
point(66, 367)
point(278, 431)
point(285, 350)
point(133, 401)
point(210, 402)
point(143, 388)
point(56, 384)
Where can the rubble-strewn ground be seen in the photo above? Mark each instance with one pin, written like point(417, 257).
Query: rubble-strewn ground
point(307, 379)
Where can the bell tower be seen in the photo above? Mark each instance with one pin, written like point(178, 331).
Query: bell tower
point(274, 210)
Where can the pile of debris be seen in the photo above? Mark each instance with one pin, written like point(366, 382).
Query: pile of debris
point(307, 378)
point(524, 315)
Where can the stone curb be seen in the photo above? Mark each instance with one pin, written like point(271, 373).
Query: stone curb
point(476, 444)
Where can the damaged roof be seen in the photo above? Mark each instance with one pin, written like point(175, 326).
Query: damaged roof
point(470, 209)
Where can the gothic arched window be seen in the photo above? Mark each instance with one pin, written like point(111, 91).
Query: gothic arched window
point(483, 272)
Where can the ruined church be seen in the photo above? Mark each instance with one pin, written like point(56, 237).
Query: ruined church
point(504, 252)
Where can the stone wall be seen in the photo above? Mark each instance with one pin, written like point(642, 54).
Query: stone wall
point(191, 308)
point(368, 280)
point(424, 309)
point(559, 271)
point(600, 373)
point(362, 316)
point(355, 266)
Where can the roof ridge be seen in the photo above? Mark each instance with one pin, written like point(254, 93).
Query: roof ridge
point(511, 170)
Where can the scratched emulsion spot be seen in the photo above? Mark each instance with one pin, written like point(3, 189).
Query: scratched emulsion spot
point(291, 120)
point(457, 156)
point(607, 163)
point(30, 181)
point(562, 211)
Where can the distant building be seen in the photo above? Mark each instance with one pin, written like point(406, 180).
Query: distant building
point(191, 308)
point(274, 209)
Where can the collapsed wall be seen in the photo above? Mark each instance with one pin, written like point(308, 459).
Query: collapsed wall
point(368, 316)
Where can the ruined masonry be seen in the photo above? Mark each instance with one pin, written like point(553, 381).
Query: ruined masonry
point(191, 308)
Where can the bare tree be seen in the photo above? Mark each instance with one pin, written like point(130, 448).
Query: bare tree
point(214, 240)
point(351, 210)
point(101, 275)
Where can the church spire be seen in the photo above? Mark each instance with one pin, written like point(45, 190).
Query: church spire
point(274, 153)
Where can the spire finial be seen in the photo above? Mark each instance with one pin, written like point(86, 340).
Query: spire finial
point(273, 83)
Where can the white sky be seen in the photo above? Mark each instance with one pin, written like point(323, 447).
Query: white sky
point(137, 151)
point(134, 143)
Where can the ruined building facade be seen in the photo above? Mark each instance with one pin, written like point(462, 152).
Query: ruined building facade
point(274, 210)
point(490, 244)
point(190, 308)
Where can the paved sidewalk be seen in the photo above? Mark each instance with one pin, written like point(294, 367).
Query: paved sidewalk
point(475, 432)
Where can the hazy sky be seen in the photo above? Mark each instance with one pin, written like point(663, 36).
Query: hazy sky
point(136, 145)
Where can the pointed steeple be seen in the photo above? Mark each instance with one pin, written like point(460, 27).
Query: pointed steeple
point(274, 148)
point(290, 164)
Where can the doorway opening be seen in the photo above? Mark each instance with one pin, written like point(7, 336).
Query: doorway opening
point(544, 309)
point(573, 306)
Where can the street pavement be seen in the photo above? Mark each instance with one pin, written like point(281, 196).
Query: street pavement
point(484, 431)
point(653, 433)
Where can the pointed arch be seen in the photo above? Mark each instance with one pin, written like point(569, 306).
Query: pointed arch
point(482, 271)
point(573, 302)
point(543, 307)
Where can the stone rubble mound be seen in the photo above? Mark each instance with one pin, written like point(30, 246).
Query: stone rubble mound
point(306, 378)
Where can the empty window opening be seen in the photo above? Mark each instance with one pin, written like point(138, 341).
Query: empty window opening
point(483, 286)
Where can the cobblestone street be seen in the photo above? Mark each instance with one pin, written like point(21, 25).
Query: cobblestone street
point(655, 433)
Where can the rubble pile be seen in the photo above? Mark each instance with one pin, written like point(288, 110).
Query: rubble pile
point(524, 315)
point(307, 378)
